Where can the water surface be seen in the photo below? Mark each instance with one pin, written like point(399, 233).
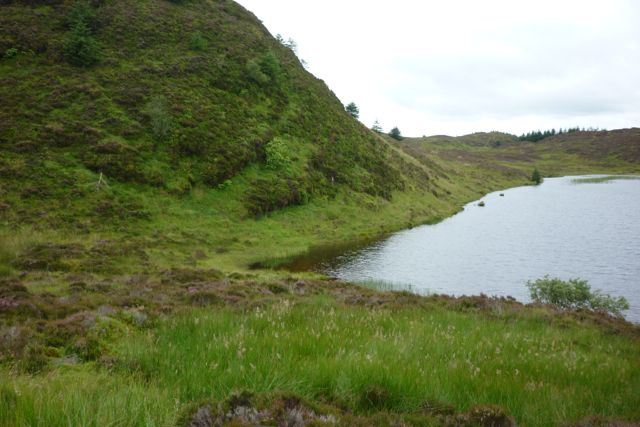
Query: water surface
point(561, 228)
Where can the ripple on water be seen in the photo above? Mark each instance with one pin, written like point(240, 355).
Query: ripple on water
point(590, 231)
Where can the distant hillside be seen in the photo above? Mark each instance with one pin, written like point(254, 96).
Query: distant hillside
point(488, 154)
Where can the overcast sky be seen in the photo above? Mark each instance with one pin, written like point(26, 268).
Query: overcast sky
point(462, 66)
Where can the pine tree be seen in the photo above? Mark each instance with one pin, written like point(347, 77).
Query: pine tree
point(395, 134)
point(80, 47)
point(353, 110)
point(536, 177)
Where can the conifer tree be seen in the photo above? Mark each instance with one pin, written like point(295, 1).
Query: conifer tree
point(395, 134)
point(353, 110)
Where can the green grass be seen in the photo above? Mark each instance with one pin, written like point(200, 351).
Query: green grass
point(541, 374)
point(82, 397)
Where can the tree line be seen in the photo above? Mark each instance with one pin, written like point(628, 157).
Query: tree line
point(535, 136)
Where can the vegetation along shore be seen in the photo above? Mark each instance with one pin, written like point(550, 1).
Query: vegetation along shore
point(151, 151)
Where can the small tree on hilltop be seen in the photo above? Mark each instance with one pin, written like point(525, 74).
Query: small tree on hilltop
point(376, 127)
point(536, 177)
point(395, 134)
point(353, 110)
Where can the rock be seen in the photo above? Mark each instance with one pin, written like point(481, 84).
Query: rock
point(202, 418)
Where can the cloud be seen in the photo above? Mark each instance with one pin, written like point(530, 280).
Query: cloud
point(462, 66)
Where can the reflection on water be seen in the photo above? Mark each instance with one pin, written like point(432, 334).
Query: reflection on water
point(561, 228)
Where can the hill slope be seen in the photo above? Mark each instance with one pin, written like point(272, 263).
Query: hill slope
point(495, 156)
point(181, 94)
point(166, 119)
point(161, 123)
point(151, 150)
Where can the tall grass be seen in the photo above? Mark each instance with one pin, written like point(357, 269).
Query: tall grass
point(11, 244)
point(540, 374)
point(367, 360)
point(82, 397)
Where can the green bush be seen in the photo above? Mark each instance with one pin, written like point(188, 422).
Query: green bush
point(574, 294)
point(197, 42)
point(268, 195)
point(536, 176)
point(179, 185)
point(81, 12)
point(12, 52)
point(264, 71)
point(80, 48)
point(270, 66)
point(255, 74)
point(159, 117)
point(277, 154)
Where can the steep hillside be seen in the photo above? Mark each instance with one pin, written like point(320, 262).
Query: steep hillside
point(169, 96)
point(180, 128)
point(160, 123)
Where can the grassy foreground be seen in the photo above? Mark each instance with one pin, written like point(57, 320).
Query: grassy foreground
point(371, 356)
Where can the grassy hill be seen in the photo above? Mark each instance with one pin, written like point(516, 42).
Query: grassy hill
point(185, 125)
point(152, 150)
point(578, 152)
point(184, 109)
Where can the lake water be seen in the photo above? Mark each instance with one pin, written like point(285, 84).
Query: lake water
point(560, 228)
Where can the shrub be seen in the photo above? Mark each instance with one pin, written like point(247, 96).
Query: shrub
point(254, 72)
point(33, 359)
point(268, 195)
point(80, 48)
point(12, 52)
point(224, 185)
point(277, 154)
point(197, 42)
point(81, 12)
point(179, 185)
point(270, 66)
point(536, 177)
point(160, 118)
point(265, 70)
point(574, 294)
